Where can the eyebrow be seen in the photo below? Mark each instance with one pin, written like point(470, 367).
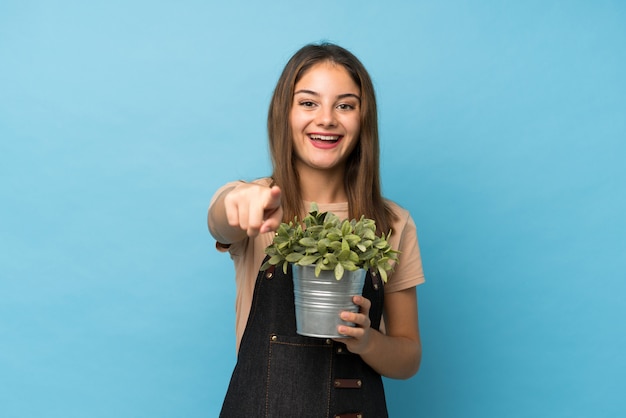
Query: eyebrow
point(341, 96)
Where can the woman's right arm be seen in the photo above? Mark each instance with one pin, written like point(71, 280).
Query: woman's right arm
point(245, 209)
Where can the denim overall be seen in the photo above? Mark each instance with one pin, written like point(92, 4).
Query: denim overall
point(280, 373)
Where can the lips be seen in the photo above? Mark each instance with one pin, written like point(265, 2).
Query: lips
point(324, 140)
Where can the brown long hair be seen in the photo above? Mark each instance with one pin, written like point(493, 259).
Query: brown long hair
point(362, 175)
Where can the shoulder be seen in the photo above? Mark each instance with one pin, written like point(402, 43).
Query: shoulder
point(401, 217)
point(403, 230)
point(408, 272)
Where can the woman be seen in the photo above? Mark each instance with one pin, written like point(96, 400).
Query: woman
point(323, 137)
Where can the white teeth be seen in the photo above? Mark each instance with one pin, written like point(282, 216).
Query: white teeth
point(325, 137)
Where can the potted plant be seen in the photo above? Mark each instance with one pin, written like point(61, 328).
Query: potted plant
point(329, 259)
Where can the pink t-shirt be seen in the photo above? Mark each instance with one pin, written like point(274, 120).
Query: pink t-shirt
point(248, 255)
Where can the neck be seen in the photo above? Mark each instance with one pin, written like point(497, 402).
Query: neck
point(322, 186)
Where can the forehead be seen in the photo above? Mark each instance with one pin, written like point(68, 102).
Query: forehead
point(328, 75)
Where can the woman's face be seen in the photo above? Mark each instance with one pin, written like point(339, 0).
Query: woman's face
point(325, 117)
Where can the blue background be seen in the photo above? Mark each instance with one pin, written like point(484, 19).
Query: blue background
point(503, 130)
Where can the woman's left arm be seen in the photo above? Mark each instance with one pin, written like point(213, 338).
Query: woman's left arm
point(398, 352)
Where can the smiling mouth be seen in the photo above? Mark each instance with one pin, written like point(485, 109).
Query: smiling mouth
point(325, 138)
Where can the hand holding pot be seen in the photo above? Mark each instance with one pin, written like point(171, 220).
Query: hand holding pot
point(360, 334)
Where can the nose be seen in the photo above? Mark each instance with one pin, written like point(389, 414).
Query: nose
point(326, 116)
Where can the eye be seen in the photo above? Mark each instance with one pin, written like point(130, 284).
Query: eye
point(345, 106)
point(307, 103)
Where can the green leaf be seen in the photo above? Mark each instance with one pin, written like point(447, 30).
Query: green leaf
point(335, 245)
point(346, 228)
point(383, 274)
point(339, 271)
point(297, 248)
point(282, 230)
point(368, 254)
point(333, 235)
point(282, 245)
point(344, 255)
point(308, 259)
point(349, 265)
point(275, 259)
point(308, 242)
point(381, 244)
point(352, 239)
point(293, 257)
point(318, 270)
point(369, 234)
point(330, 259)
point(322, 246)
point(279, 238)
point(331, 218)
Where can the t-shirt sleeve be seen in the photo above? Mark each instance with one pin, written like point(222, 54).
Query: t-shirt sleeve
point(408, 272)
point(214, 229)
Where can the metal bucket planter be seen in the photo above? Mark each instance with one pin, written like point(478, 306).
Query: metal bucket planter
point(319, 300)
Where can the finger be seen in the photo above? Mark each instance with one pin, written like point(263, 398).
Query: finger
point(346, 331)
point(242, 213)
point(255, 218)
point(273, 213)
point(363, 302)
point(274, 199)
point(359, 319)
point(351, 332)
point(232, 212)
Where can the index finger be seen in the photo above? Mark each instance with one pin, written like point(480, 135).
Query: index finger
point(274, 199)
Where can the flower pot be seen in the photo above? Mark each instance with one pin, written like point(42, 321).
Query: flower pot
point(319, 300)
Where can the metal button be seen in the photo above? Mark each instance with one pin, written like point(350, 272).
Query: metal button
point(269, 275)
point(329, 341)
point(274, 338)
